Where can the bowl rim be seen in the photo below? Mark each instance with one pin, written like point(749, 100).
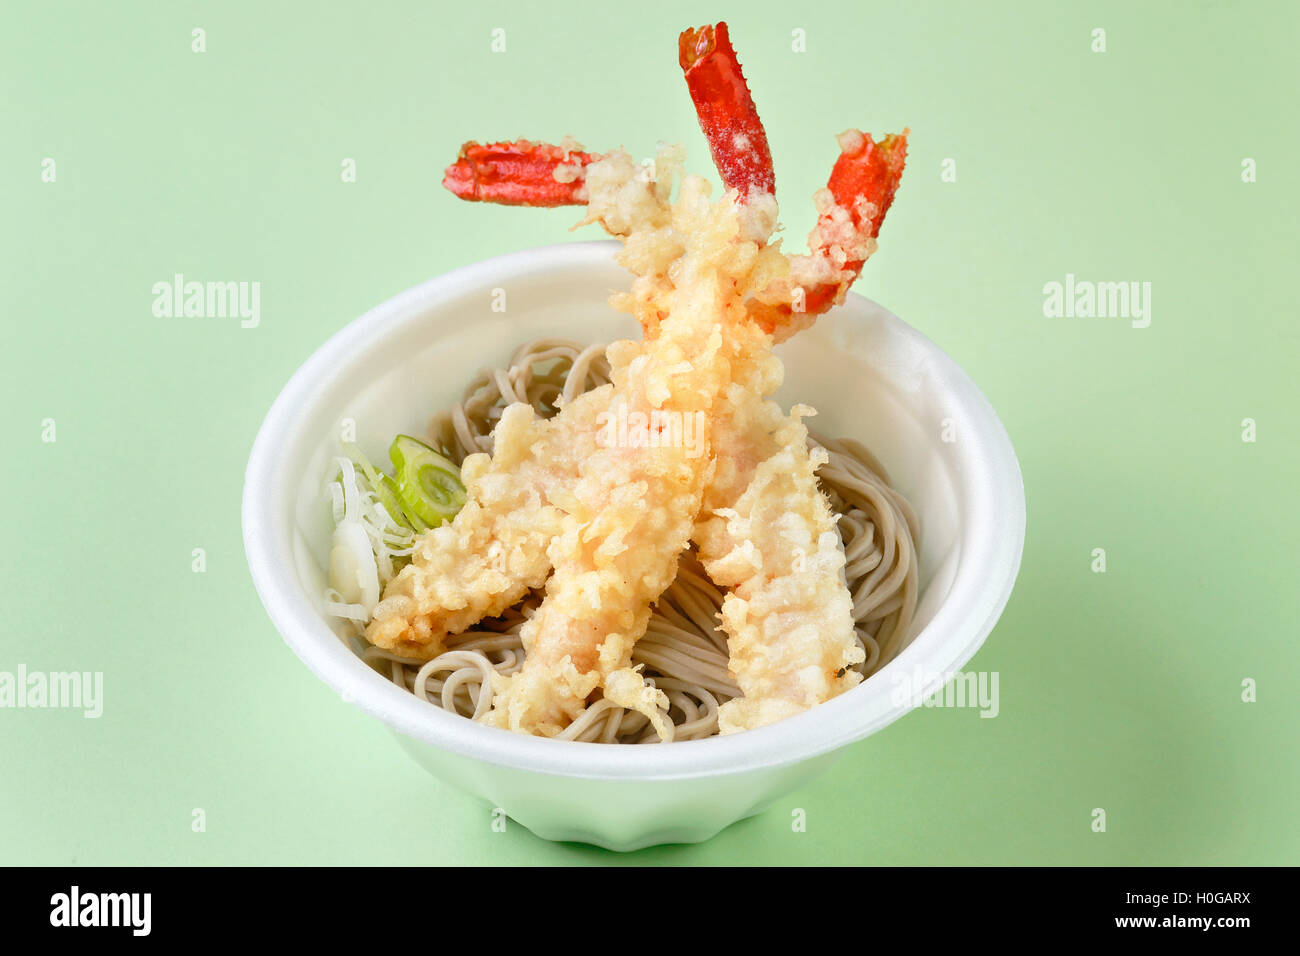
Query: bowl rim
point(963, 620)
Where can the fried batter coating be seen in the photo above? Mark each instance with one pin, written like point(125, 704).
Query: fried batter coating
point(494, 551)
point(788, 614)
point(602, 523)
point(633, 507)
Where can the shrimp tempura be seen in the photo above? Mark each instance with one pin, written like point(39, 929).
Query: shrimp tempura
point(635, 499)
point(767, 534)
point(712, 294)
point(494, 551)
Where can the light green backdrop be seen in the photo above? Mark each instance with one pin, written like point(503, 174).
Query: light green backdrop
point(1119, 690)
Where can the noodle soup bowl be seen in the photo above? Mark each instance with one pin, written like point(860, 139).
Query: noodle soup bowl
point(871, 377)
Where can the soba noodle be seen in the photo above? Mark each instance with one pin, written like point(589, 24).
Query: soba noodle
point(683, 651)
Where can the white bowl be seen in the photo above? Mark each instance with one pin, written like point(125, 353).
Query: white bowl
point(871, 376)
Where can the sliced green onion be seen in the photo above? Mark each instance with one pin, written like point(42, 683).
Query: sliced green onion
point(428, 484)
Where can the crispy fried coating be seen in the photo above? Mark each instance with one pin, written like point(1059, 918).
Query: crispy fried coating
point(767, 534)
point(634, 501)
point(601, 517)
point(494, 551)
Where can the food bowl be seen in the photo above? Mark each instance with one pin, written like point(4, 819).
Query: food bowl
point(871, 377)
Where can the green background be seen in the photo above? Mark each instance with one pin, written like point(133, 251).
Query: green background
point(1119, 690)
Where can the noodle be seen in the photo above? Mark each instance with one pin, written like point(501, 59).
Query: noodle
point(683, 651)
